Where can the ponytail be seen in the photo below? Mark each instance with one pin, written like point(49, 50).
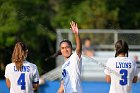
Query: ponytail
point(54, 55)
point(19, 55)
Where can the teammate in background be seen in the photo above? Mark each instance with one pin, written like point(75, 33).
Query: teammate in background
point(138, 65)
point(21, 75)
point(121, 71)
point(137, 61)
point(88, 49)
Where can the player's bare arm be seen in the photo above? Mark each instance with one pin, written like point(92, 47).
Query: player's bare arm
point(135, 79)
point(61, 88)
point(35, 86)
point(74, 29)
point(108, 78)
point(8, 83)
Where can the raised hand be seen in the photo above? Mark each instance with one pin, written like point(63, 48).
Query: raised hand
point(74, 27)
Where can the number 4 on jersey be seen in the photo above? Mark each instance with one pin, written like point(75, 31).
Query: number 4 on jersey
point(21, 81)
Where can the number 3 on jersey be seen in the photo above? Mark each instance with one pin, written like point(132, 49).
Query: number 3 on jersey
point(124, 74)
point(21, 81)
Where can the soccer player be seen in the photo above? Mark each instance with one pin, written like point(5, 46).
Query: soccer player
point(71, 69)
point(21, 75)
point(121, 71)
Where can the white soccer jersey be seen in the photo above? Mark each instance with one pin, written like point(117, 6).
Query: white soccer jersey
point(71, 74)
point(122, 71)
point(21, 81)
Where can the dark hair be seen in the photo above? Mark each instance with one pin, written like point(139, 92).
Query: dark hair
point(59, 51)
point(66, 40)
point(87, 38)
point(54, 55)
point(121, 47)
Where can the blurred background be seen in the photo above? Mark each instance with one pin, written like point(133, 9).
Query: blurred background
point(42, 24)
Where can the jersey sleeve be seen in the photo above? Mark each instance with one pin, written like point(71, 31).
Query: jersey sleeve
point(35, 75)
point(76, 58)
point(7, 72)
point(106, 70)
point(62, 76)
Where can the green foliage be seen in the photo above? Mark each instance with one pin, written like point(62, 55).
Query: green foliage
point(8, 23)
point(89, 14)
